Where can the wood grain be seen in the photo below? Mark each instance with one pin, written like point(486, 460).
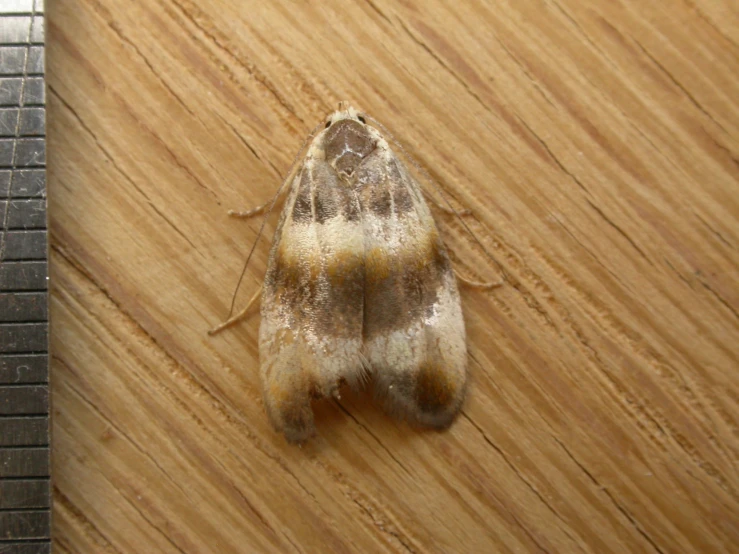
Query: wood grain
point(598, 146)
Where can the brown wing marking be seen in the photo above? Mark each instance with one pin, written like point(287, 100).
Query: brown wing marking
point(414, 337)
point(312, 310)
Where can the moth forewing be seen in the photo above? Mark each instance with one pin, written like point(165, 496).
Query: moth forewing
point(358, 281)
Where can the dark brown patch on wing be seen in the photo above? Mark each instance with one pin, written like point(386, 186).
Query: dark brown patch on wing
point(402, 199)
point(381, 202)
point(326, 190)
point(325, 293)
point(372, 173)
point(326, 204)
point(382, 186)
point(350, 206)
point(285, 280)
point(400, 179)
point(302, 210)
point(294, 417)
point(435, 391)
point(287, 397)
point(341, 292)
point(400, 290)
point(322, 195)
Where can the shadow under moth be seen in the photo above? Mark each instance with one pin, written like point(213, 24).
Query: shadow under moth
point(358, 285)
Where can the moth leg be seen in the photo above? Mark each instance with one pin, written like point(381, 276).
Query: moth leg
point(276, 200)
point(245, 214)
point(446, 209)
point(482, 285)
point(238, 317)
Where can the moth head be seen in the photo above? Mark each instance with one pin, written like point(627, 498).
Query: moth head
point(347, 140)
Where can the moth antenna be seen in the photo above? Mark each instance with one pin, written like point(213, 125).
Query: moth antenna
point(426, 175)
point(290, 175)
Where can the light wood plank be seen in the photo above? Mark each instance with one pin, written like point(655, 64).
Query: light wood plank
point(597, 145)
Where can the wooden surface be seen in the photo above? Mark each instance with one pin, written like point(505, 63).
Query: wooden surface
point(598, 145)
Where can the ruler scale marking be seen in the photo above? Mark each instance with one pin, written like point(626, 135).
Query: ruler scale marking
point(25, 484)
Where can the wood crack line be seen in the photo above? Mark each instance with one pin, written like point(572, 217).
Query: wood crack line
point(605, 490)
point(517, 472)
point(133, 443)
point(518, 523)
point(250, 68)
point(123, 173)
point(119, 33)
point(719, 298)
point(113, 426)
point(620, 231)
point(445, 66)
point(479, 100)
point(379, 442)
point(247, 502)
point(714, 231)
point(551, 154)
point(79, 517)
point(378, 525)
point(378, 11)
point(248, 146)
point(679, 85)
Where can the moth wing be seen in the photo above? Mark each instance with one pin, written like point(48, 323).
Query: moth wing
point(414, 336)
point(310, 336)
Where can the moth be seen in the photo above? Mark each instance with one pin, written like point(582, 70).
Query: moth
point(359, 287)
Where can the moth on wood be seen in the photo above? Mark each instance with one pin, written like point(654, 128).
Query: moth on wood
point(359, 284)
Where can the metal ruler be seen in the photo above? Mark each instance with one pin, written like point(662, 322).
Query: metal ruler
point(25, 490)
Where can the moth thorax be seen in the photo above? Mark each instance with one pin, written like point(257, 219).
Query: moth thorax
point(346, 143)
